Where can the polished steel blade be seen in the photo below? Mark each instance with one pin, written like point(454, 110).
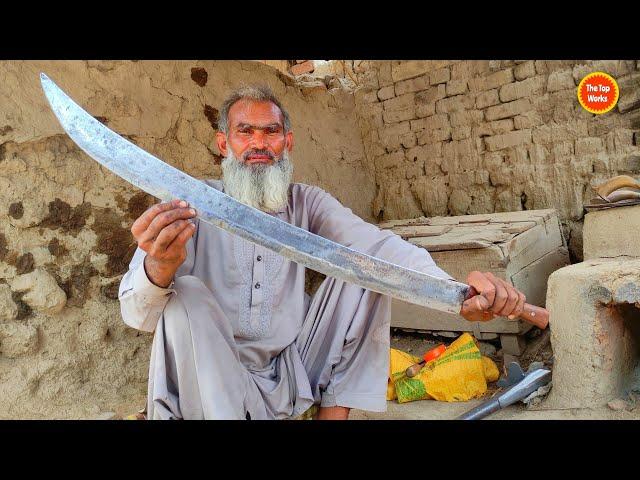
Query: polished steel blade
point(165, 182)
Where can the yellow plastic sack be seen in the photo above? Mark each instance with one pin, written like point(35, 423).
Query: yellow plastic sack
point(459, 374)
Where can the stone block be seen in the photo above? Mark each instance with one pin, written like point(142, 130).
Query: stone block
point(431, 95)
point(507, 110)
point(460, 133)
point(496, 127)
point(456, 87)
point(408, 140)
point(594, 311)
point(440, 120)
point(395, 116)
point(524, 70)
point(466, 118)
point(424, 153)
point(404, 69)
point(425, 110)
point(412, 85)
point(510, 139)
point(400, 102)
point(612, 232)
point(433, 136)
point(304, 67)
point(560, 80)
point(442, 75)
point(385, 93)
point(365, 95)
point(384, 74)
point(615, 68)
point(525, 88)
point(589, 145)
point(494, 80)
point(455, 104)
point(487, 99)
point(389, 160)
point(528, 119)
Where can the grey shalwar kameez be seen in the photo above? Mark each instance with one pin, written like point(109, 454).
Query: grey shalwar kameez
point(236, 334)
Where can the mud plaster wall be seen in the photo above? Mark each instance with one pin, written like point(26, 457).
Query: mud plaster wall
point(466, 137)
point(64, 220)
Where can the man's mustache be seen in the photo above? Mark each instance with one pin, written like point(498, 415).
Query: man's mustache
point(267, 153)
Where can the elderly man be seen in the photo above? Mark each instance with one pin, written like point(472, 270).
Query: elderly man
point(236, 336)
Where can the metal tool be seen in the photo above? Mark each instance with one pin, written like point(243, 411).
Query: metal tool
point(432, 354)
point(519, 385)
point(165, 182)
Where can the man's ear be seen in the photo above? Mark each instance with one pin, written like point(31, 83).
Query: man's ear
point(288, 138)
point(221, 140)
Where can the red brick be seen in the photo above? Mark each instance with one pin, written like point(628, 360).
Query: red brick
point(300, 68)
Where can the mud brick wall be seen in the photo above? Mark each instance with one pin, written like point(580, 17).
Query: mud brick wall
point(64, 220)
point(466, 137)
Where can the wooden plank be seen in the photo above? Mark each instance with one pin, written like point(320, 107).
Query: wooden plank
point(537, 216)
point(518, 227)
point(390, 224)
point(458, 263)
point(411, 231)
point(444, 220)
point(532, 279)
point(531, 245)
point(460, 238)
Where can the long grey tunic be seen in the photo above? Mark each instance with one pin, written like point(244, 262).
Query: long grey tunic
point(261, 296)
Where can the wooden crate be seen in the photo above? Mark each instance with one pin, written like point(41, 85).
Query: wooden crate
point(523, 248)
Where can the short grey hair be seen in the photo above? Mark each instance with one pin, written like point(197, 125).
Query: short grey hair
point(258, 93)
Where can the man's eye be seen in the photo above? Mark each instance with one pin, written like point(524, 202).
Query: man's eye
point(244, 132)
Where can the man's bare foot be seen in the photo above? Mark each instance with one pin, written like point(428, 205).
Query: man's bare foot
point(332, 413)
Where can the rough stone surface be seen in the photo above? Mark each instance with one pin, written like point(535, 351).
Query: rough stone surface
point(518, 121)
point(43, 293)
point(64, 224)
point(17, 340)
point(8, 308)
point(594, 309)
point(612, 232)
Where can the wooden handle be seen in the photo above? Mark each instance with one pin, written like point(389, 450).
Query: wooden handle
point(414, 369)
point(538, 316)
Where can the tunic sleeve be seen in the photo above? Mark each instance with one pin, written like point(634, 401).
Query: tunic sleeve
point(141, 301)
point(330, 219)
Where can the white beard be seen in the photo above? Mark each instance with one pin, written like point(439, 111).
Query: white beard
point(265, 187)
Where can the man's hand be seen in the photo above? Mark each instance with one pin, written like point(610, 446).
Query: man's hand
point(163, 231)
point(491, 297)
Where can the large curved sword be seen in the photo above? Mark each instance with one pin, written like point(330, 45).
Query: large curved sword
point(165, 182)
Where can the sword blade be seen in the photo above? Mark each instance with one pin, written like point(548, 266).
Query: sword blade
point(165, 182)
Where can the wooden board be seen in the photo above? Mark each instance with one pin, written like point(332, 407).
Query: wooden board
point(411, 231)
point(529, 278)
point(523, 248)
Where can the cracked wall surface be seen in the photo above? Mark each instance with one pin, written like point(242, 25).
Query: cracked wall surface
point(454, 137)
point(64, 225)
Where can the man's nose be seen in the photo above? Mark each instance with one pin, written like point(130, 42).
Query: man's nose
point(258, 139)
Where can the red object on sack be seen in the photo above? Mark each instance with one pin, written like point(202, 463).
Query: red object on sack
point(434, 353)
